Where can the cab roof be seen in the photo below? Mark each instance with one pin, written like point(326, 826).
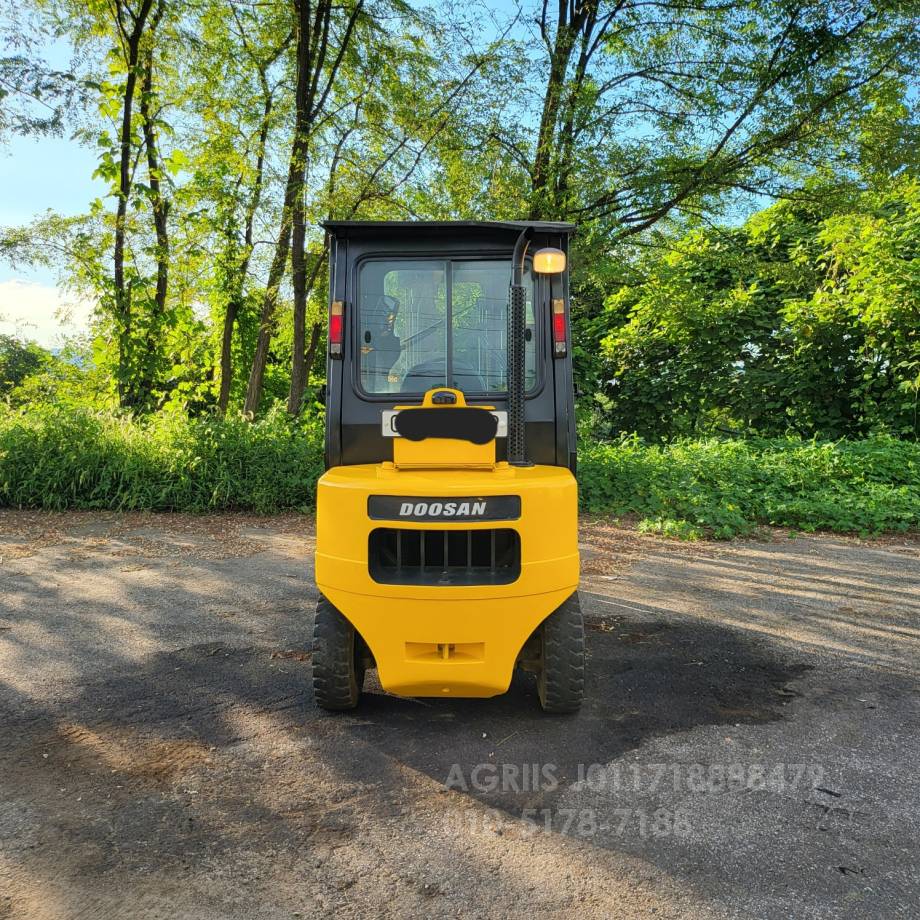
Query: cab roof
point(364, 227)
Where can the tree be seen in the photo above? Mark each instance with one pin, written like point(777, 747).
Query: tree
point(322, 38)
point(131, 29)
point(238, 77)
point(804, 320)
point(656, 107)
point(19, 360)
point(35, 98)
point(146, 330)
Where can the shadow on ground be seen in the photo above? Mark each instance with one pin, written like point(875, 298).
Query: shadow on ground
point(645, 679)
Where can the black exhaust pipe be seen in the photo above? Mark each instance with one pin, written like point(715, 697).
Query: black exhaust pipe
point(517, 324)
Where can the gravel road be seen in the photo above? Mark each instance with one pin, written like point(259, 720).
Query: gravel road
point(749, 747)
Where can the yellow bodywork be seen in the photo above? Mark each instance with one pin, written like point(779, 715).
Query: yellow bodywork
point(433, 640)
point(443, 453)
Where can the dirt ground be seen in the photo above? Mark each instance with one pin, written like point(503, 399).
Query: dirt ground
point(749, 746)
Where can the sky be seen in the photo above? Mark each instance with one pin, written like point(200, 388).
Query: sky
point(38, 174)
point(35, 176)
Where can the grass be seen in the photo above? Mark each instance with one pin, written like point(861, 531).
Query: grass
point(691, 489)
point(59, 458)
point(73, 458)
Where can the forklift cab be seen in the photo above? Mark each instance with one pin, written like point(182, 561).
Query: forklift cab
point(446, 519)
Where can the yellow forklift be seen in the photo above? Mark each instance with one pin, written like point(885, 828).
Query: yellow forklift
point(447, 523)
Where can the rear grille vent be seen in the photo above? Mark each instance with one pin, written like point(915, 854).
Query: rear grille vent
point(444, 557)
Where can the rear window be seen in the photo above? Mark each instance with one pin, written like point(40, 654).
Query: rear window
point(429, 322)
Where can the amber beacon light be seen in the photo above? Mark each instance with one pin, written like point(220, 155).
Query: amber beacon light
point(549, 261)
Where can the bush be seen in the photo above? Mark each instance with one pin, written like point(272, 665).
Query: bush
point(18, 360)
point(723, 488)
point(74, 458)
point(802, 321)
point(57, 458)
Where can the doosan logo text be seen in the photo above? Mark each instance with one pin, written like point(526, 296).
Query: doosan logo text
point(442, 509)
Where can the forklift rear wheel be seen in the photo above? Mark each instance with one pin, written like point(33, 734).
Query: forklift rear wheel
point(561, 678)
point(338, 666)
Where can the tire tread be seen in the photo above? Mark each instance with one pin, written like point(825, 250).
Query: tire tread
point(561, 682)
point(337, 679)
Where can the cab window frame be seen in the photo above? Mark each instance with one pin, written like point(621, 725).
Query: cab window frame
point(448, 259)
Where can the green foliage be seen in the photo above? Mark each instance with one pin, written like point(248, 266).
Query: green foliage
point(61, 458)
point(75, 458)
point(36, 100)
point(69, 380)
point(723, 488)
point(19, 360)
point(641, 122)
point(668, 527)
point(633, 119)
point(800, 321)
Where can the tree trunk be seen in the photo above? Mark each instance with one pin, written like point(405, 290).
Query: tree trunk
point(299, 272)
point(563, 45)
point(292, 212)
point(160, 207)
point(157, 201)
point(122, 294)
point(236, 301)
point(303, 356)
point(226, 355)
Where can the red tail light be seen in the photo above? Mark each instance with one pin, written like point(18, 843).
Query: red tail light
point(560, 346)
point(336, 328)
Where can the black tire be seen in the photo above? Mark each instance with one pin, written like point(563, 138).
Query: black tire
point(561, 678)
point(338, 669)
